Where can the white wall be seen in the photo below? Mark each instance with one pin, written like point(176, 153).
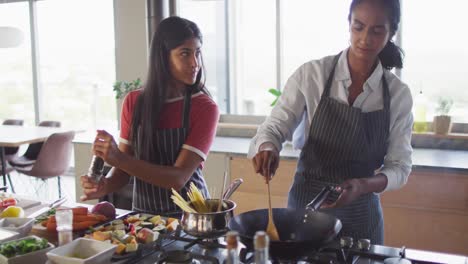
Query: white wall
point(130, 39)
point(131, 46)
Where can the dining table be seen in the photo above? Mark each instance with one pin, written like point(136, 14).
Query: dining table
point(15, 136)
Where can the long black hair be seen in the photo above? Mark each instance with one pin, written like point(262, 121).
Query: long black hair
point(391, 56)
point(171, 33)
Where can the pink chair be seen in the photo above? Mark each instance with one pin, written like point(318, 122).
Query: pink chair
point(10, 152)
point(30, 156)
point(53, 158)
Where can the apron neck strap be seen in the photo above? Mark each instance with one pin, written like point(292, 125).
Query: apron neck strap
point(386, 93)
point(326, 92)
point(186, 110)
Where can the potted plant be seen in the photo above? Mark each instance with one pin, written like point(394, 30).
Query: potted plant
point(442, 123)
point(121, 88)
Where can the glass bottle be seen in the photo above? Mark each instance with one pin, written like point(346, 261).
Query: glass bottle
point(64, 218)
point(232, 242)
point(96, 169)
point(420, 113)
point(261, 245)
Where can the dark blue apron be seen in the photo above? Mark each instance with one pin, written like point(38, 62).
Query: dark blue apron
point(157, 200)
point(344, 143)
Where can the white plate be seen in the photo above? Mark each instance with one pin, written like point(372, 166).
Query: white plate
point(93, 251)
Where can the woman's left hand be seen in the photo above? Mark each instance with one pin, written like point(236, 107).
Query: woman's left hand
point(350, 191)
point(106, 148)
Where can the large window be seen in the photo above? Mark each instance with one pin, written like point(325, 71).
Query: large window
point(435, 41)
point(312, 30)
point(269, 39)
point(75, 63)
point(16, 100)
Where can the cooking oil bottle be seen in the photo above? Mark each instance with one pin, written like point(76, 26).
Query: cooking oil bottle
point(420, 113)
point(232, 243)
point(261, 245)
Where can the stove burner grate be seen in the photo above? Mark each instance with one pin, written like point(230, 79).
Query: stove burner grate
point(184, 257)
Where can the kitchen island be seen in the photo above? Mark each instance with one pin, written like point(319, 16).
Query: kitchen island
point(429, 213)
point(214, 251)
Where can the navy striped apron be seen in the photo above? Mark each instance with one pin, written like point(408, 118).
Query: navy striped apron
point(168, 144)
point(344, 143)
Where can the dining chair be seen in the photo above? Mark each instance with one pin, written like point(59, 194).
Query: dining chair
point(10, 152)
point(8, 170)
point(30, 156)
point(53, 159)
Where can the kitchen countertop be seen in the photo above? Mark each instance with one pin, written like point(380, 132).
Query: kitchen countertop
point(238, 146)
point(422, 158)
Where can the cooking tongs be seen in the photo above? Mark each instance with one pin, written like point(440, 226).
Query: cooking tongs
point(320, 198)
point(313, 206)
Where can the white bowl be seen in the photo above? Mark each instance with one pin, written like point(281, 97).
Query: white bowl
point(38, 256)
point(82, 251)
point(21, 225)
point(7, 235)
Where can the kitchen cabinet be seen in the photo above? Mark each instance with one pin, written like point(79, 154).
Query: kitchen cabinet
point(430, 212)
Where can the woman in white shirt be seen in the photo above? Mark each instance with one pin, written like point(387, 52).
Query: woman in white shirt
point(353, 120)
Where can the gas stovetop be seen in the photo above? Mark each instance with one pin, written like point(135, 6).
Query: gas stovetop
point(182, 248)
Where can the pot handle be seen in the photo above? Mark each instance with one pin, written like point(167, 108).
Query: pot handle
point(320, 198)
point(230, 190)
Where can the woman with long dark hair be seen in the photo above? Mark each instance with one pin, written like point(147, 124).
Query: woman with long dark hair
point(354, 123)
point(167, 127)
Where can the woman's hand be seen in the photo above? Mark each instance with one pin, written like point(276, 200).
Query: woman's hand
point(350, 191)
point(266, 161)
point(105, 147)
point(91, 189)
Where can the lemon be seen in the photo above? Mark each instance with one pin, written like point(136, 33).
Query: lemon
point(13, 211)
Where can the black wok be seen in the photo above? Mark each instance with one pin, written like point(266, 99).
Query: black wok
point(300, 230)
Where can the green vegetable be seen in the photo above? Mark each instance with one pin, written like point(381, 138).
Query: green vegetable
point(24, 246)
point(45, 215)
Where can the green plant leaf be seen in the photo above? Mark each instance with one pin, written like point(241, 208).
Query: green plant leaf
point(274, 92)
point(444, 106)
point(274, 102)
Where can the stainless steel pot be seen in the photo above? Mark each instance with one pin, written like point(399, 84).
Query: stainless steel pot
point(209, 225)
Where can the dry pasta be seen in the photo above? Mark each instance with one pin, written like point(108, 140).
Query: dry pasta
point(196, 204)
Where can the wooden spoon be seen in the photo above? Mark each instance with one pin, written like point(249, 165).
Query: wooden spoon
point(271, 228)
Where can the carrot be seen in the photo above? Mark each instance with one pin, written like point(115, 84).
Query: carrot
point(44, 223)
point(83, 225)
point(52, 227)
point(80, 210)
point(83, 218)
